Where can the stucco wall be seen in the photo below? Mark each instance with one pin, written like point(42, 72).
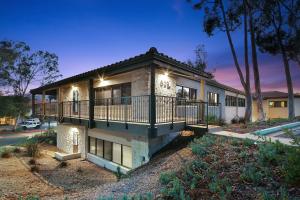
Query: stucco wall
point(276, 112)
point(139, 145)
point(139, 80)
point(221, 92)
point(234, 111)
point(165, 85)
point(66, 92)
point(65, 138)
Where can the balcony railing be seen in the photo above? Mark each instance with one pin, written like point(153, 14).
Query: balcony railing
point(134, 109)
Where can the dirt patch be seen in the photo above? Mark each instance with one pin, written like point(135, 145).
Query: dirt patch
point(74, 175)
point(16, 180)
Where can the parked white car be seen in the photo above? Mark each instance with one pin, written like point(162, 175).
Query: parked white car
point(31, 123)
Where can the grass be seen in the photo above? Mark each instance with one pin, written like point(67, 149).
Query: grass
point(228, 168)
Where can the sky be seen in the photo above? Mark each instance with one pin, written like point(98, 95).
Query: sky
point(87, 34)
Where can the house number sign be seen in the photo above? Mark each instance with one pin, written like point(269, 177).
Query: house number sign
point(165, 84)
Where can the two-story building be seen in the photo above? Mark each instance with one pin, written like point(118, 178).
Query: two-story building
point(121, 114)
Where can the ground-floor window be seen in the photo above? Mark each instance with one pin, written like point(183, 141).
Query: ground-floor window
point(117, 153)
point(278, 104)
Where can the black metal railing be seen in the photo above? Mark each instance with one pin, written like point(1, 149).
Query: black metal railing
point(75, 109)
point(126, 109)
point(135, 109)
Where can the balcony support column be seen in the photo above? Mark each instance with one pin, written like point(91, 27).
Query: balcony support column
point(91, 103)
point(152, 107)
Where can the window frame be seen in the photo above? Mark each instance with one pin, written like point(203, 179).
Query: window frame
point(278, 102)
point(189, 92)
point(103, 151)
point(114, 101)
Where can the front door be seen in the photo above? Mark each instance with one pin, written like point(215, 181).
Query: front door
point(75, 141)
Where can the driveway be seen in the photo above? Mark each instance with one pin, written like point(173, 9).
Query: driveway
point(16, 138)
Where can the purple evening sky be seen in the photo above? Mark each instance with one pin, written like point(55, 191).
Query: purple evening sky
point(90, 34)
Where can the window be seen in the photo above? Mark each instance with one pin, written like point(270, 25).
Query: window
point(212, 98)
point(278, 104)
point(186, 93)
point(241, 102)
point(111, 151)
point(230, 100)
point(116, 92)
point(127, 156)
point(100, 148)
point(75, 101)
point(92, 146)
point(117, 153)
point(108, 150)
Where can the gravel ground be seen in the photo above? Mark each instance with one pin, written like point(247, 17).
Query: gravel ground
point(143, 180)
point(77, 175)
point(16, 180)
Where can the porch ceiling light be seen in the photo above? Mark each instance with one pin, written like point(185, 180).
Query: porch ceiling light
point(166, 73)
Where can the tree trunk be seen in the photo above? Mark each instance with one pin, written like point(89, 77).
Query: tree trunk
point(240, 73)
point(289, 83)
point(248, 111)
point(259, 98)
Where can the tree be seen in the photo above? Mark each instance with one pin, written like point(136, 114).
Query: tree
point(200, 62)
point(13, 106)
point(249, 6)
point(20, 68)
point(217, 17)
point(275, 29)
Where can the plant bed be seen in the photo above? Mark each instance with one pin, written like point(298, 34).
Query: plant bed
point(254, 126)
point(229, 168)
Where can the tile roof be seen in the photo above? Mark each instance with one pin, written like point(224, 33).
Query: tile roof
point(151, 54)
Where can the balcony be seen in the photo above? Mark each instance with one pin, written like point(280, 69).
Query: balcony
point(133, 109)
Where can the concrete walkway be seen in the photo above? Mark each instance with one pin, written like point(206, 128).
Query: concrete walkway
point(286, 141)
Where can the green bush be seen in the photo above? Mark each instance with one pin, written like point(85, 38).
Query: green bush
point(220, 186)
point(166, 177)
point(251, 174)
point(147, 196)
point(29, 198)
point(48, 137)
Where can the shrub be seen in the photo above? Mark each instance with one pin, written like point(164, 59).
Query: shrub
point(242, 120)
point(32, 162)
point(166, 177)
point(48, 137)
point(33, 150)
point(251, 174)
point(234, 120)
point(17, 150)
point(79, 170)
point(63, 164)
point(220, 186)
point(28, 198)
point(34, 168)
point(6, 153)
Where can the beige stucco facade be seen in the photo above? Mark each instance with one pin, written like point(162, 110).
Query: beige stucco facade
point(142, 146)
point(275, 112)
